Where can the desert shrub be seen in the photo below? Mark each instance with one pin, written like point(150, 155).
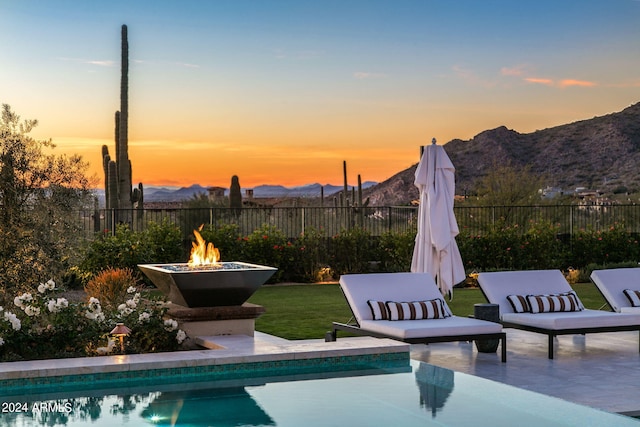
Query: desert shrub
point(42, 324)
point(614, 245)
point(228, 239)
point(540, 247)
point(110, 286)
point(351, 250)
point(265, 246)
point(310, 256)
point(124, 249)
point(159, 242)
point(396, 250)
point(164, 242)
point(508, 247)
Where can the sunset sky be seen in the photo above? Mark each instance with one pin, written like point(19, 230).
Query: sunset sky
point(281, 92)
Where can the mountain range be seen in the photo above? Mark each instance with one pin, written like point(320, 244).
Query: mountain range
point(169, 194)
point(602, 153)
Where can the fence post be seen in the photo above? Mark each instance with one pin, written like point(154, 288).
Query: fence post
point(493, 216)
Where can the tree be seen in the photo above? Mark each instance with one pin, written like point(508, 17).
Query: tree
point(507, 185)
point(39, 192)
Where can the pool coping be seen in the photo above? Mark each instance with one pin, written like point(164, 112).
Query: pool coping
point(234, 349)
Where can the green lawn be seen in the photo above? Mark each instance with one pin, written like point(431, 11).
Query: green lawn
point(306, 311)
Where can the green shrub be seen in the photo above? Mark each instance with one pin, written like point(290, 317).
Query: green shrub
point(311, 255)
point(158, 243)
point(164, 242)
point(614, 245)
point(227, 239)
point(266, 246)
point(509, 248)
point(351, 250)
point(396, 250)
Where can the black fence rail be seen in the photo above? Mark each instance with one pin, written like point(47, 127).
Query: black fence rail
point(294, 221)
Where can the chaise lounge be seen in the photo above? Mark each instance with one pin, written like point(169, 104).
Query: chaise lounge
point(542, 301)
point(408, 307)
point(620, 287)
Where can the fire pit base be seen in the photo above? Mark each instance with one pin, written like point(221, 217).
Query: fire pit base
point(222, 320)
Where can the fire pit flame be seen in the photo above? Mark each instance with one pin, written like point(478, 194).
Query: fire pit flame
point(203, 253)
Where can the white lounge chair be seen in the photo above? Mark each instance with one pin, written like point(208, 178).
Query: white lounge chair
point(369, 293)
point(615, 284)
point(557, 310)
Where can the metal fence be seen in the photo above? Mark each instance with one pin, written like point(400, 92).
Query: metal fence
point(294, 221)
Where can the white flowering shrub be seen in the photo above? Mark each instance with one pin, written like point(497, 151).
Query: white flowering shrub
point(41, 324)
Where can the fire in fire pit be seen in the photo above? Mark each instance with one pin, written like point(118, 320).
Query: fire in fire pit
point(203, 253)
point(205, 281)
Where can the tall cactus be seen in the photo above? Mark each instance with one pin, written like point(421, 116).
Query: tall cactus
point(118, 183)
point(124, 164)
point(137, 198)
point(112, 190)
point(235, 195)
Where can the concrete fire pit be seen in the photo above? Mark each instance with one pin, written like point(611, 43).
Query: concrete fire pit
point(222, 284)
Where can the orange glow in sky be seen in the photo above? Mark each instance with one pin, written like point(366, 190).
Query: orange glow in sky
point(283, 92)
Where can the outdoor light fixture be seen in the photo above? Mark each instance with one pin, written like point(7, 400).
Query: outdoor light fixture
point(121, 331)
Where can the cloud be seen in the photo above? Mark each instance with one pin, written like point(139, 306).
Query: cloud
point(539, 80)
point(361, 75)
point(527, 76)
point(564, 83)
point(573, 82)
point(101, 63)
point(98, 62)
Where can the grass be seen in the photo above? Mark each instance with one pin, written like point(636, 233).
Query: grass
point(306, 311)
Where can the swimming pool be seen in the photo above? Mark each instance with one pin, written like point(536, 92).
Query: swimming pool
point(415, 395)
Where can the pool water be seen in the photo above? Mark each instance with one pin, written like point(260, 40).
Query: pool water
point(417, 395)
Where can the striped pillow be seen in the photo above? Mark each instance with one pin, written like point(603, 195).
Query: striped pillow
point(414, 310)
point(554, 303)
point(519, 303)
point(634, 297)
point(378, 310)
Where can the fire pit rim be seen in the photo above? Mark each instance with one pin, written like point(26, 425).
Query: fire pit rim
point(203, 269)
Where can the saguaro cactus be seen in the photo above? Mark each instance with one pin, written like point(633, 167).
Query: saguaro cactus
point(137, 198)
point(235, 195)
point(118, 186)
point(124, 164)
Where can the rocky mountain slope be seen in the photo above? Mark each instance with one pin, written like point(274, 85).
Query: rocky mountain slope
point(601, 153)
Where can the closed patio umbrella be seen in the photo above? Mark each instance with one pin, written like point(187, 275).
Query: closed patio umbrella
point(435, 249)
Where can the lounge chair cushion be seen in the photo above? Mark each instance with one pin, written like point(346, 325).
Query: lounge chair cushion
point(572, 320)
point(416, 310)
point(449, 326)
point(358, 289)
point(633, 296)
point(496, 286)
